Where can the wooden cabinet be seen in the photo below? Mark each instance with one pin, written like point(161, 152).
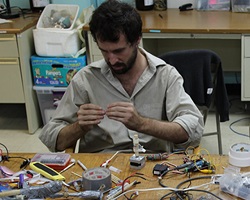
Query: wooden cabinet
point(94, 53)
point(245, 68)
point(11, 86)
point(16, 82)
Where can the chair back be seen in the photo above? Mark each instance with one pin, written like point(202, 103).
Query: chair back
point(199, 69)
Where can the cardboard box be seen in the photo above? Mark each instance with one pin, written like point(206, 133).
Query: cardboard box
point(48, 99)
point(49, 71)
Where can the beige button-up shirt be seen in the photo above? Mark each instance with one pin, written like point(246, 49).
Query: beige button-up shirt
point(159, 94)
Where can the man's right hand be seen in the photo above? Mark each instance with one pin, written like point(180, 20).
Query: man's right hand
point(89, 115)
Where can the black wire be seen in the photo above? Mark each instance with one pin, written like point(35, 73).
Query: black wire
point(179, 193)
point(189, 181)
point(242, 134)
point(7, 151)
point(5, 147)
point(197, 190)
point(160, 182)
point(167, 195)
point(7, 157)
point(18, 157)
point(192, 179)
point(163, 174)
point(139, 175)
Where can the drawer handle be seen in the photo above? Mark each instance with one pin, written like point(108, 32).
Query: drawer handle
point(11, 38)
point(8, 61)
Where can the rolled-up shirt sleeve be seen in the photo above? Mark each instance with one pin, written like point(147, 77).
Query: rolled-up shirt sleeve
point(181, 109)
point(65, 114)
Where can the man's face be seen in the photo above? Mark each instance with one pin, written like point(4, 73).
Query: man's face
point(119, 56)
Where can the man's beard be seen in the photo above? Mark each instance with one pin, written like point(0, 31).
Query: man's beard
point(124, 68)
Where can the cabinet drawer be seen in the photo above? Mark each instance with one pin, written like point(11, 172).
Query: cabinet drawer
point(8, 46)
point(94, 48)
point(247, 46)
point(245, 80)
point(11, 87)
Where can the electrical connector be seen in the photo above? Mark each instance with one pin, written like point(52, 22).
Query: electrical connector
point(159, 169)
point(207, 171)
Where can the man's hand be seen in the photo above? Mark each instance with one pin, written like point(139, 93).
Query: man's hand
point(89, 115)
point(125, 113)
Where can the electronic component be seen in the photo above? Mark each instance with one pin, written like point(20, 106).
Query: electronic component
point(137, 161)
point(157, 156)
point(159, 169)
point(46, 171)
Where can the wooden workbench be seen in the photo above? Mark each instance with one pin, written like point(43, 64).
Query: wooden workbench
point(121, 161)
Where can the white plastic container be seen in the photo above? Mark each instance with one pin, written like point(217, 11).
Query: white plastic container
point(54, 43)
point(54, 14)
point(48, 99)
point(52, 37)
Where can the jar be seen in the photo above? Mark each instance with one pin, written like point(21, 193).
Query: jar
point(144, 4)
point(160, 5)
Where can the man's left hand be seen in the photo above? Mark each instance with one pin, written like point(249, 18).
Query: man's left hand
point(125, 113)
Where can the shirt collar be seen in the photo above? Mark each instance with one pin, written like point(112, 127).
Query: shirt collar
point(153, 62)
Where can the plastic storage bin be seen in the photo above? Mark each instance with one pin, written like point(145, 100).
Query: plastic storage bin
point(240, 5)
point(55, 34)
point(56, 43)
point(48, 99)
point(213, 5)
point(58, 16)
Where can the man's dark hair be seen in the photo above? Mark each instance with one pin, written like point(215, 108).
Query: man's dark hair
point(113, 18)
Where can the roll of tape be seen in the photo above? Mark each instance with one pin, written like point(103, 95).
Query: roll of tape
point(96, 178)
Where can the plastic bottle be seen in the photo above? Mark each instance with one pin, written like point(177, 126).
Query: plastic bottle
point(144, 4)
